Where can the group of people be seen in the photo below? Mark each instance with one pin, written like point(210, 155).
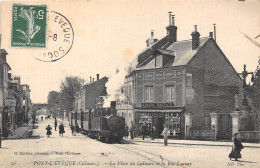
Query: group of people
point(61, 128)
point(75, 129)
point(144, 130)
point(131, 130)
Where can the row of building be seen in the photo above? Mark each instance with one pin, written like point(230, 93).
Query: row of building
point(189, 85)
point(15, 102)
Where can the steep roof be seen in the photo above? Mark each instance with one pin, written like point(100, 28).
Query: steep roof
point(183, 51)
point(180, 51)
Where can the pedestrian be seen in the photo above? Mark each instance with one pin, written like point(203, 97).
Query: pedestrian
point(143, 128)
point(126, 131)
point(153, 132)
point(132, 129)
point(41, 118)
point(33, 121)
point(48, 128)
point(236, 148)
point(5, 131)
point(61, 129)
point(55, 123)
point(72, 130)
point(165, 133)
point(77, 128)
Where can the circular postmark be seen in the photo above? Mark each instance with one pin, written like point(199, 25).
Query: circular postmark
point(59, 38)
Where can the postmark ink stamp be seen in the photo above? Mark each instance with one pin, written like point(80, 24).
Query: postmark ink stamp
point(60, 37)
point(29, 26)
point(48, 33)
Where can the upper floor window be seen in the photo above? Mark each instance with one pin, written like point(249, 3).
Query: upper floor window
point(169, 92)
point(148, 93)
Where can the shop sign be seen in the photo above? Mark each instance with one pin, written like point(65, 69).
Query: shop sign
point(170, 104)
point(10, 102)
point(189, 95)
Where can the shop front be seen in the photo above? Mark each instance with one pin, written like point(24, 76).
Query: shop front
point(158, 114)
point(9, 113)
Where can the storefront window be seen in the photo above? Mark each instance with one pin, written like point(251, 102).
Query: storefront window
point(148, 93)
point(173, 122)
point(145, 118)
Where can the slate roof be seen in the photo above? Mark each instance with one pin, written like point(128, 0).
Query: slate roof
point(181, 51)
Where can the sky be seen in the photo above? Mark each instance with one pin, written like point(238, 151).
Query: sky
point(108, 35)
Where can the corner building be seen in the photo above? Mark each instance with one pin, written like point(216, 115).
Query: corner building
point(183, 84)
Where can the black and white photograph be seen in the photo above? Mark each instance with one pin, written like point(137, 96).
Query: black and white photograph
point(130, 83)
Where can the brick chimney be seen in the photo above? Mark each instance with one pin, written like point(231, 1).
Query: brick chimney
point(97, 77)
point(90, 79)
point(151, 40)
point(195, 38)
point(211, 34)
point(171, 29)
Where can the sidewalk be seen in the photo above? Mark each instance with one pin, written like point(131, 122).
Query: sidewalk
point(194, 142)
point(21, 132)
point(184, 142)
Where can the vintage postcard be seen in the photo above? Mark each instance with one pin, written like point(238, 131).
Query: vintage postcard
point(147, 83)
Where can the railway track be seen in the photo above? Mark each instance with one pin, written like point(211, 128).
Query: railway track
point(150, 159)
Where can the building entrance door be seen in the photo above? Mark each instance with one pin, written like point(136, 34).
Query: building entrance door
point(158, 123)
point(224, 127)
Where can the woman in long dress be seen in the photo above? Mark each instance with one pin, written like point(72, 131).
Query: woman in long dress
point(236, 148)
point(48, 128)
point(61, 129)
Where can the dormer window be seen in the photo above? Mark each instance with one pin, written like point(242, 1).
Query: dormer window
point(158, 60)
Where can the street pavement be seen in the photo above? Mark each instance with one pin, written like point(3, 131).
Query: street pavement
point(82, 151)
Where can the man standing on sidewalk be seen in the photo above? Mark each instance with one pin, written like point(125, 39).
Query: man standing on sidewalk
point(132, 129)
point(143, 130)
point(165, 133)
point(55, 123)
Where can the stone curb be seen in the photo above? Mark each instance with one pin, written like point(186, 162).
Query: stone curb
point(196, 144)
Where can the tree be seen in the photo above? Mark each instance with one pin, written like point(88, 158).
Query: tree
point(69, 87)
point(53, 98)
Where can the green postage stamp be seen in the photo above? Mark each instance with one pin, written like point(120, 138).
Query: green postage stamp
point(29, 26)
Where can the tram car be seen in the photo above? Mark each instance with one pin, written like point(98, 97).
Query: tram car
point(100, 123)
